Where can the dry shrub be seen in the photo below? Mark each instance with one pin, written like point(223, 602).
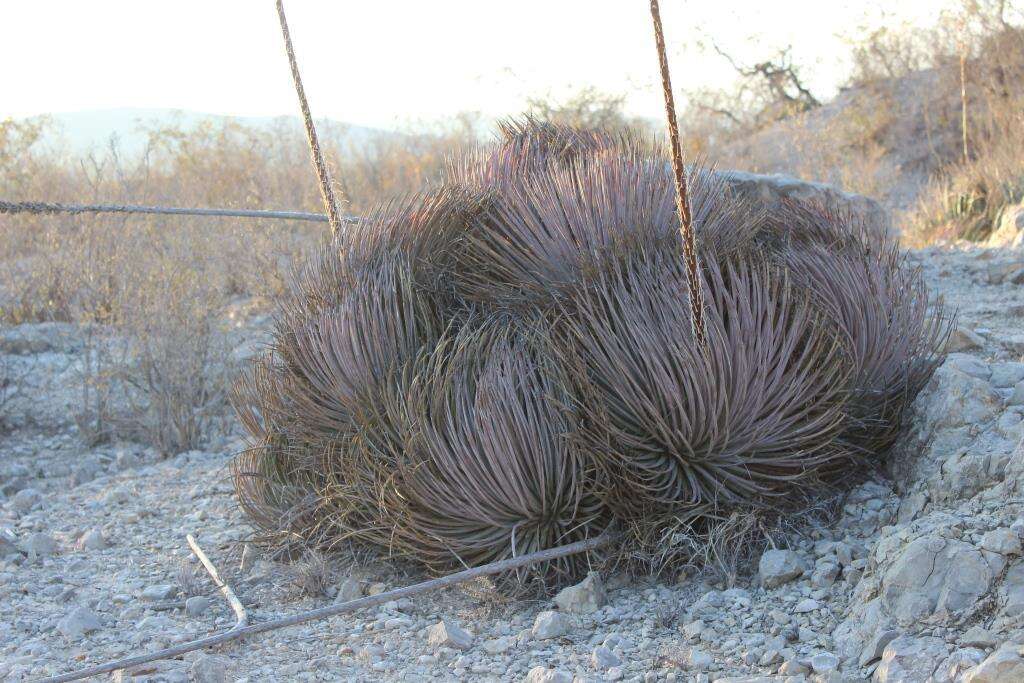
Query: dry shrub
point(966, 200)
point(176, 369)
point(311, 575)
point(151, 291)
point(506, 363)
point(188, 579)
point(984, 171)
point(896, 131)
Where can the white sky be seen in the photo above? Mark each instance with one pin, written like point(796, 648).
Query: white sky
point(390, 63)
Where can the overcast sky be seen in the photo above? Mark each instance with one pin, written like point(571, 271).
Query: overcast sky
point(392, 63)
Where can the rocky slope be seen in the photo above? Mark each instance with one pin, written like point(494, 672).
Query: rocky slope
point(905, 126)
point(920, 579)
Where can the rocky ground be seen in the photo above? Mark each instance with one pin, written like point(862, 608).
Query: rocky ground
point(921, 579)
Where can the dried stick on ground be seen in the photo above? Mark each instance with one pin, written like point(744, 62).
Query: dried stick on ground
point(322, 613)
point(241, 619)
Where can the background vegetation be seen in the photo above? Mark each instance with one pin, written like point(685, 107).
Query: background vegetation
point(154, 294)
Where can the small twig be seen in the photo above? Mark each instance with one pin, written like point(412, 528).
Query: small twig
point(180, 604)
point(963, 98)
point(332, 610)
point(241, 618)
point(167, 606)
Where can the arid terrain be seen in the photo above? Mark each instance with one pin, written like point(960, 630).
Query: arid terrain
point(122, 335)
point(921, 578)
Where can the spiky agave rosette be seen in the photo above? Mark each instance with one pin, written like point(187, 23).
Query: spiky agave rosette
point(506, 363)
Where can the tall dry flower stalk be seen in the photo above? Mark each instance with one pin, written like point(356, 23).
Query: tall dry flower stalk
point(694, 291)
point(322, 175)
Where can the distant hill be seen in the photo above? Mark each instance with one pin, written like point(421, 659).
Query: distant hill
point(91, 129)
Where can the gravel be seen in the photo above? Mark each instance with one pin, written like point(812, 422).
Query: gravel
point(92, 541)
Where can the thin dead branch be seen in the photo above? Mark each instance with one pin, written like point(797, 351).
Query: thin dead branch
point(236, 632)
point(241, 618)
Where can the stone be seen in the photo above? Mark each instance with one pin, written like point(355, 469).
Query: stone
point(155, 622)
point(911, 506)
point(158, 593)
point(1016, 397)
point(1005, 665)
point(449, 634)
point(772, 191)
point(957, 664)
point(952, 398)
point(699, 660)
point(92, 539)
point(541, 674)
point(806, 605)
point(550, 624)
point(197, 605)
point(793, 668)
point(26, 499)
point(8, 542)
point(1003, 541)
point(348, 590)
point(964, 339)
point(970, 365)
point(499, 646)
point(825, 575)
point(824, 662)
point(876, 646)
point(78, 622)
point(586, 597)
point(909, 660)
point(1007, 375)
point(778, 567)
point(603, 658)
point(40, 545)
point(1009, 232)
point(84, 473)
point(209, 669)
point(1012, 591)
point(1006, 273)
point(694, 629)
point(976, 636)
point(806, 635)
point(117, 496)
point(934, 574)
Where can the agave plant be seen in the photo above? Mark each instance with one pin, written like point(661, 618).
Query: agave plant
point(507, 363)
point(486, 471)
point(753, 412)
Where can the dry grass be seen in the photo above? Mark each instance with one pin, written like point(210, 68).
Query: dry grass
point(311, 575)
